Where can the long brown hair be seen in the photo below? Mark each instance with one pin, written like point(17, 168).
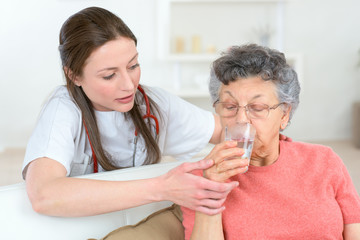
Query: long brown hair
point(80, 35)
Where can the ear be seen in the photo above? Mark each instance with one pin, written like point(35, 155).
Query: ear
point(72, 77)
point(285, 118)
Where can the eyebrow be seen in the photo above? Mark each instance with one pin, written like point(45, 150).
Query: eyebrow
point(257, 96)
point(114, 68)
point(229, 93)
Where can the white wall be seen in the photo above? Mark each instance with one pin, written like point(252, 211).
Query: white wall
point(325, 32)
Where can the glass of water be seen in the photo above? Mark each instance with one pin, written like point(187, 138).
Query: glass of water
point(244, 134)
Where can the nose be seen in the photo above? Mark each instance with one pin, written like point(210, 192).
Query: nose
point(241, 116)
point(125, 82)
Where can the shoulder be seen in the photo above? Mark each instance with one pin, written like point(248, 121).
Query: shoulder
point(173, 105)
point(161, 96)
point(60, 99)
point(60, 108)
point(167, 99)
point(303, 146)
point(61, 94)
point(311, 152)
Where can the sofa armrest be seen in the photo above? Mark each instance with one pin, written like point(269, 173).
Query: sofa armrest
point(19, 221)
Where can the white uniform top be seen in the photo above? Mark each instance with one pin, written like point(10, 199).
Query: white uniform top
point(60, 135)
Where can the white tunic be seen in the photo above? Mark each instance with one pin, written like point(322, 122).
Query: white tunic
point(60, 135)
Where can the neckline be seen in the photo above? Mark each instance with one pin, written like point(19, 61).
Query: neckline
point(103, 112)
point(271, 166)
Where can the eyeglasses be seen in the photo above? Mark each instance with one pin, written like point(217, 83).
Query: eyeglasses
point(253, 110)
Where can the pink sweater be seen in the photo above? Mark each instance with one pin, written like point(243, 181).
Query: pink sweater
point(306, 194)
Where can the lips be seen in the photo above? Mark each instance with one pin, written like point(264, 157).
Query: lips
point(126, 99)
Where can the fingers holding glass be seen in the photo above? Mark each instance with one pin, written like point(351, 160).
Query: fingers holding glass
point(224, 170)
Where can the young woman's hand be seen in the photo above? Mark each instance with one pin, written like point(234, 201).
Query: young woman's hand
point(182, 186)
point(228, 162)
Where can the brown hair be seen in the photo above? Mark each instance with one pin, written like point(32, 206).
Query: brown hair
point(80, 35)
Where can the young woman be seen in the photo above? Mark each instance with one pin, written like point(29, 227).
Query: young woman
point(104, 120)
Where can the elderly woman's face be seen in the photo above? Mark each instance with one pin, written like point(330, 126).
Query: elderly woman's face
point(255, 90)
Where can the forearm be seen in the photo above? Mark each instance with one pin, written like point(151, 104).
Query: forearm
point(352, 231)
point(207, 227)
point(73, 197)
point(52, 193)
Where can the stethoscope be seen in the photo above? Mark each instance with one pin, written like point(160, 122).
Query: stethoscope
point(147, 115)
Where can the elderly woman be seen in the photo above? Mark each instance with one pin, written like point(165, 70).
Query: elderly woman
point(292, 190)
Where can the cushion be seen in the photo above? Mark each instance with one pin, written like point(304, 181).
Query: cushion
point(164, 224)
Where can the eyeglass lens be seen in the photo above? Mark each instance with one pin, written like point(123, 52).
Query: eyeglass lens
point(253, 110)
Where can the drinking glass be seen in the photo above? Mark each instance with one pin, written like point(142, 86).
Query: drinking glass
point(244, 134)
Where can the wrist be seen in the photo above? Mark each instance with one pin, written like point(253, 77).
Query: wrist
point(158, 187)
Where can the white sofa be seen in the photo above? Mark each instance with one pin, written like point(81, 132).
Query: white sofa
point(19, 221)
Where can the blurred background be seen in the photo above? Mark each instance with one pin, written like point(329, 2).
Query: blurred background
point(177, 41)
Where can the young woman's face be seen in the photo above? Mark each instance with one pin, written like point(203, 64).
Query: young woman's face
point(111, 76)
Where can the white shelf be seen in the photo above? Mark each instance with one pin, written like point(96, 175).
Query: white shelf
point(164, 25)
point(187, 66)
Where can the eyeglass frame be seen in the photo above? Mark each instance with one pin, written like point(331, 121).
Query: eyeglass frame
point(247, 109)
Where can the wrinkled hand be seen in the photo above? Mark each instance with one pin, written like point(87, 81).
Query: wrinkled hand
point(196, 192)
point(228, 162)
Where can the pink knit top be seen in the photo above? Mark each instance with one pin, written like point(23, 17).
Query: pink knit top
point(306, 194)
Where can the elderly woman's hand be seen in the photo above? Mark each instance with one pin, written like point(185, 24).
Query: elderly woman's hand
point(227, 162)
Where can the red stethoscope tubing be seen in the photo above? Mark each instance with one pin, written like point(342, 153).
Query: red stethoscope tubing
point(92, 150)
point(147, 115)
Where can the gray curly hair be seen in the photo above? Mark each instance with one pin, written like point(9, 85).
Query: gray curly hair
point(254, 60)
